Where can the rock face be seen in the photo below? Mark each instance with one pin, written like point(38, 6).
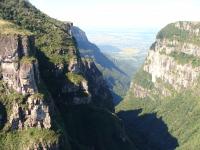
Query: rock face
point(36, 115)
point(22, 106)
point(139, 91)
point(51, 101)
point(79, 35)
point(167, 86)
point(114, 76)
point(97, 85)
point(20, 72)
point(86, 84)
point(167, 69)
point(75, 78)
point(78, 80)
point(173, 59)
point(19, 75)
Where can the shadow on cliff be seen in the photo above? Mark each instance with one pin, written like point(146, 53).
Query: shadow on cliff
point(52, 78)
point(100, 58)
point(3, 115)
point(116, 98)
point(94, 52)
point(107, 65)
point(147, 131)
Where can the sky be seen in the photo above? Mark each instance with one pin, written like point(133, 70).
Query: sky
point(121, 13)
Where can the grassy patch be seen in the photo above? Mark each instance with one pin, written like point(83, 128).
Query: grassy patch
point(7, 27)
point(8, 97)
point(26, 138)
point(27, 60)
point(163, 51)
point(183, 58)
point(38, 96)
point(171, 32)
point(75, 78)
point(144, 79)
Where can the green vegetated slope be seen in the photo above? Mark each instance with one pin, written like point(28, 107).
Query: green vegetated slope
point(116, 78)
point(118, 81)
point(122, 83)
point(21, 139)
point(96, 128)
point(10, 28)
point(126, 65)
point(49, 32)
point(77, 127)
point(55, 46)
point(172, 32)
point(171, 121)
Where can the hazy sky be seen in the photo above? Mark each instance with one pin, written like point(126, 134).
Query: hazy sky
point(120, 13)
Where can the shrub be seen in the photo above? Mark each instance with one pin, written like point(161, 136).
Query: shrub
point(183, 58)
point(7, 27)
point(75, 78)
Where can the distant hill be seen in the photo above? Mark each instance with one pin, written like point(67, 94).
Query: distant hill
point(117, 79)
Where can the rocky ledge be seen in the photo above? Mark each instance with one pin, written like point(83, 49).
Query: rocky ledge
point(173, 61)
point(20, 73)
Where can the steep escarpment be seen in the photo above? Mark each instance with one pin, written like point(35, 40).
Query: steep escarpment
point(60, 60)
point(23, 105)
point(168, 86)
point(117, 80)
point(50, 97)
point(17, 65)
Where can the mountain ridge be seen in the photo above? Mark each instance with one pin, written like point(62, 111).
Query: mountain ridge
point(118, 80)
point(58, 101)
point(168, 85)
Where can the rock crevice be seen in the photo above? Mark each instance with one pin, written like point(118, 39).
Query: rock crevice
point(19, 71)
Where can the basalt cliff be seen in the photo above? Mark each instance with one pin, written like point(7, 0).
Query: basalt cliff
point(54, 97)
point(50, 97)
point(164, 94)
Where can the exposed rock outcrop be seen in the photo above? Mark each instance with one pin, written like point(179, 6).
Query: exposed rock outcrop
point(167, 69)
point(74, 66)
point(139, 91)
point(191, 27)
point(43, 146)
point(79, 35)
point(64, 80)
point(98, 88)
point(20, 72)
point(23, 107)
point(110, 72)
point(35, 115)
point(84, 83)
point(87, 85)
point(173, 59)
point(171, 75)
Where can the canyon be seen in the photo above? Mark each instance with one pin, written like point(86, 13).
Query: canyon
point(56, 91)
